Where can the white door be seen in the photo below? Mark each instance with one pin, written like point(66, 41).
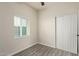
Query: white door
point(66, 33)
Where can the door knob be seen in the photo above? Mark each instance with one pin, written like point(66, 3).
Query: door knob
point(78, 35)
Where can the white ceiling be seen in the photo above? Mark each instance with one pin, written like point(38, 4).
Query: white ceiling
point(37, 5)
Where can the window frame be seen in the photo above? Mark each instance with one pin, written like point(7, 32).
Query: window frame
point(21, 35)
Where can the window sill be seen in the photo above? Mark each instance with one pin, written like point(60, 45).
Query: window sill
point(21, 37)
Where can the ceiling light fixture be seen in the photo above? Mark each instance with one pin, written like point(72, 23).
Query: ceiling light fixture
point(42, 3)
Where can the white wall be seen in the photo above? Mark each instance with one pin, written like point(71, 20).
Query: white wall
point(47, 23)
point(8, 43)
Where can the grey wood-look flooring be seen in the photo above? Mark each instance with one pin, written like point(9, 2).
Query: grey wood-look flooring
point(41, 50)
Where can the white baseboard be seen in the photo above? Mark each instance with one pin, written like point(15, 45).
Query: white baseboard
point(20, 50)
point(46, 45)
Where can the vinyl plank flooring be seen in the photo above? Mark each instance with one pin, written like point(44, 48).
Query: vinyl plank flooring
point(41, 50)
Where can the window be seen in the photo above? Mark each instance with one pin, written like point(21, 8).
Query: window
point(20, 26)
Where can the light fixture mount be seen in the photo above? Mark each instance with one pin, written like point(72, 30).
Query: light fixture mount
point(42, 3)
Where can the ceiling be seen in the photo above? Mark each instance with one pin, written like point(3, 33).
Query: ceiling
point(37, 5)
